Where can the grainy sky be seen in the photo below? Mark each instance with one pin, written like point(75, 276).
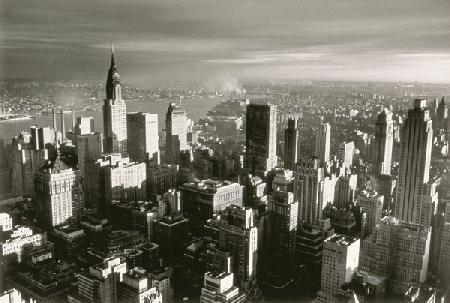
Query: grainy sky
point(207, 41)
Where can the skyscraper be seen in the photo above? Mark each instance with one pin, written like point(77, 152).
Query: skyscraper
point(63, 126)
point(53, 185)
point(125, 180)
point(114, 113)
point(292, 144)
point(444, 249)
point(261, 138)
point(372, 205)
point(84, 125)
point(344, 192)
point(41, 137)
point(340, 262)
point(384, 140)
point(346, 150)
point(283, 217)
point(88, 143)
point(323, 142)
point(414, 168)
point(308, 190)
point(398, 251)
point(143, 140)
point(235, 232)
point(176, 132)
point(25, 162)
point(441, 117)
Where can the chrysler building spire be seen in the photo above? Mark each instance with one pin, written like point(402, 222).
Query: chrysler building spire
point(113, 89)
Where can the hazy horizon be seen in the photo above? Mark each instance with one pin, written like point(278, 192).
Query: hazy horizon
point(209, 42)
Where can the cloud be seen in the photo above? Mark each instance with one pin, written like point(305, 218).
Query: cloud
point(269, 57)
point(197, 40)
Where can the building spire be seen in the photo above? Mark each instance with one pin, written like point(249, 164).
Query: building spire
point(113, 63)
point(112, 79)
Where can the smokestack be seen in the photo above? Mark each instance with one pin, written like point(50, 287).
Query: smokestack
point(73, 120)
point(63, 128)
point(54, 120)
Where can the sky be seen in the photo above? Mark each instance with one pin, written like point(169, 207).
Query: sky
point(209, 42)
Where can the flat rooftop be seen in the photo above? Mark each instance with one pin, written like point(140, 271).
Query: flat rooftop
point(341, 240)
point(209, 186)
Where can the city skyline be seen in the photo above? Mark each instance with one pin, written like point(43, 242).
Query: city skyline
point(227, 42)
point(255, 191)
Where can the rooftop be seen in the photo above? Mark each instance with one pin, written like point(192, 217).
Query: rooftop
point(136, 205)
point(170, 220)
point(341, 240)
point(137, 273)
point(207, 185)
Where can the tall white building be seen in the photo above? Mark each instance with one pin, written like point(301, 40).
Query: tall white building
point(125, 180)
point(323, 143)
point(308, 190)
point(143, 140)
point(339, 263)
point(414, 168)
point(114, 113)
point(53, 185)
point(384, 140)
point(346, 151)
point(84, 126)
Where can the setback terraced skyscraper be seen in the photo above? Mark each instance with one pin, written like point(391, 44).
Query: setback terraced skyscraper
point(114, 113)
point(414, 170)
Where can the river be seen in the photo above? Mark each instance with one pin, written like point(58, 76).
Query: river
point(195, 109)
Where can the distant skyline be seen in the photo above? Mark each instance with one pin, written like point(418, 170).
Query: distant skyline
point(210, 43)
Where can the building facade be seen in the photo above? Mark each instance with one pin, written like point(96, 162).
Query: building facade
point(176, 133)
point(143, 138)
point(200, 200)
point(384, 140)
point(308, 190)
point(53, 185)
point(114, 113)
point(340, 262)
point(219, 288)
point(372, 205)
point(323, 143)
point(414, 167)
point(399, 251)
point(261, 138)
point(292, 144)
